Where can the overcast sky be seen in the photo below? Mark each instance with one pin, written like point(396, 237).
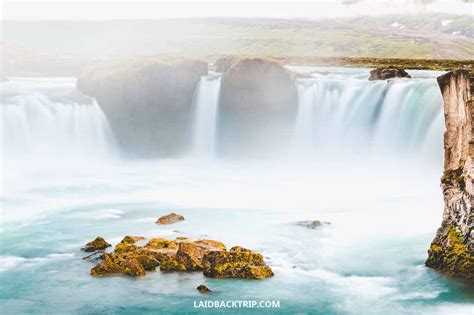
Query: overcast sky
point(148, 9)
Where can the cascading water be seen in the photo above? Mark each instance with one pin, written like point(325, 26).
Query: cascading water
point(350, 115)
point(368, 260)
point(205, 114)
point(303, 134)
point(47, 119)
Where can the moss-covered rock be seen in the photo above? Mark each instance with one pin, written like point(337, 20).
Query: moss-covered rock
point(191, 254)
point(449, 253)
point(132, 239)
point(181, 254)
point(118, 264)
point(239, 262)
point(170, 218)
point(98, 244)
point(454, 177)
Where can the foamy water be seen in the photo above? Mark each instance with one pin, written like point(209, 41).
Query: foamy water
point(370, 260)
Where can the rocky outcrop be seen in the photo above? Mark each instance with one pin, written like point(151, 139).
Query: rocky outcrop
point(452, 250)
point(181, 254)
point(147, 101)
point(170, 218)
point(132, 239)
point(203, 289)
point(239, 262)
point(98, 244)
point(388, 73)
point(257, 106)
point(311, 224)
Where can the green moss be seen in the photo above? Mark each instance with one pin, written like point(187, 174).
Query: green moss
point(449, 254)
point(454, 177)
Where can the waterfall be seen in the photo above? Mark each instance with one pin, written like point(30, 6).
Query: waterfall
point(303, 131)
point(47, 119)
point(355, 117)
point(205, 105)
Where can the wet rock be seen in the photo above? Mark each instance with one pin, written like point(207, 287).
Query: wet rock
point(182, 254)
point(388, 73)
point(132, 239)
point(311, 224)
point(98, 244)
point(203, 289)
point(160, 243)
point(118, 264)
point(170, 218)
point(239, 262)
point(95, 257)
point(189, 255)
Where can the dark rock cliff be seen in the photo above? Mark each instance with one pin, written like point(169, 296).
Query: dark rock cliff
point(147, 101)
point(452, 250)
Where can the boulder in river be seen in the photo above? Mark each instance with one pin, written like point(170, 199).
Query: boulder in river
point(189, 255)
point(98, 244)
point(182, 254)
point(312, 224)
point(132, 239)
point(203, 289)
point(239, 262)
point(170, 218)
point(118, 264)
point(388, 73)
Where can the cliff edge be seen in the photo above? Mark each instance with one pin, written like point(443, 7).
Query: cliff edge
point(147, 102)
point(257, 106)
point(452, 250)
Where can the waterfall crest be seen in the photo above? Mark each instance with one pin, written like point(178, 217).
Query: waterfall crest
point(50, 120)
point(205, 105)
point(356, 117)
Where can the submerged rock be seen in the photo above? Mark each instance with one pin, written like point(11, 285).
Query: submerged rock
point(98, 244)
point(170, 218)
point(388, 73)
point(312, 224)
point(203, 289)
point(239, 262)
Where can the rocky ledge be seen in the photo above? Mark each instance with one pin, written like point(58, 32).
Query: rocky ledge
point(257, 105)
point(388, 73)
point(170, 218)
point(182, 254)
point(452, 250)
point(147, 101)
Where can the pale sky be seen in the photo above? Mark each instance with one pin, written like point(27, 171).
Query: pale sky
point(149, 9)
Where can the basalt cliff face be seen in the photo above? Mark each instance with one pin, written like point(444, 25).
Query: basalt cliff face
point(147, 101)
point(258, 104)
point(452, 250)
